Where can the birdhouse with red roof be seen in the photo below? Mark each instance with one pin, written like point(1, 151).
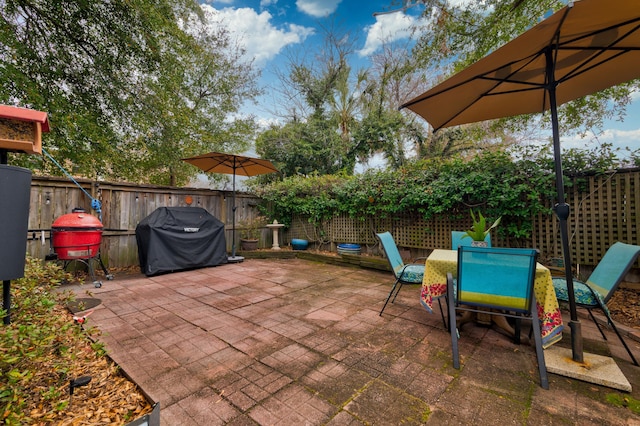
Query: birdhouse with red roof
point(21, 129)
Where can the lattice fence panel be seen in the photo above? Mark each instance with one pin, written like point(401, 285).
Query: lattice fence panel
point(407, 231)
point(343, 229)
point(631, 218)
point(604, 209)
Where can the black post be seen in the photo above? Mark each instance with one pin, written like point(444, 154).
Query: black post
point(6, 284)
point(6, 301)
point(15, 184)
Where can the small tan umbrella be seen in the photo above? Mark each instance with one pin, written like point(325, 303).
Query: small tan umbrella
point(581, 49)
point(218, 162)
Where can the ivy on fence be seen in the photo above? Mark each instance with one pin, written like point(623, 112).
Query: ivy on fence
point(492, 183)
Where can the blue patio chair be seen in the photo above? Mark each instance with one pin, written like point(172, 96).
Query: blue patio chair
point(603, 281)
point(457, 239)
point(411, 273)
point(499, 279)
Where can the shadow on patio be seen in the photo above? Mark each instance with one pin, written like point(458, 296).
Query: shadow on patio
point(293, 342)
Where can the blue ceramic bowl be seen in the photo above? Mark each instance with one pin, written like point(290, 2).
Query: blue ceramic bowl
point(298, 244)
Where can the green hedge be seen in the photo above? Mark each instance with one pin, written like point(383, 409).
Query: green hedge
point(492, 183)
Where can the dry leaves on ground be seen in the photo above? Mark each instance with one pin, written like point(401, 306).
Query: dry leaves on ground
point(109, 398)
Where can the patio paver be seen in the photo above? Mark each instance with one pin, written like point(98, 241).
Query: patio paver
point(293, 342)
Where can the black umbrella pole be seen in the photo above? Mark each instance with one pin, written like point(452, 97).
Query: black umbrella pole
point(233, 230)
point(574, 324)
point(562, 211)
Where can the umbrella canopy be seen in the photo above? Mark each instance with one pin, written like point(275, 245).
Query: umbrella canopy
point(218, 162)
point(593, 45)
point(583, 48)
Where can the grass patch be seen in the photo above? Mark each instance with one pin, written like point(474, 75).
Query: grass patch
point(624, 401)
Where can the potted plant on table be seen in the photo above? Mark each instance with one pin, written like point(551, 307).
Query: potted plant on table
point(250, 231)
point(479, 230)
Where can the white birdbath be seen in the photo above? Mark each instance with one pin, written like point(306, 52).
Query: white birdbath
point(275, 226)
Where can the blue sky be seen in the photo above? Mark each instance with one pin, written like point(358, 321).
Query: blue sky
point(268, 28)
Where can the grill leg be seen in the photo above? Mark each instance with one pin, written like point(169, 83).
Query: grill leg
point(104, 268)
point(92, 272)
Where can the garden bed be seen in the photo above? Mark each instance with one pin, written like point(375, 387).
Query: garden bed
point(360, 260)
point(43, 351)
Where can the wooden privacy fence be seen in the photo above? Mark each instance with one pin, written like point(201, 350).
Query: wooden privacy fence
point(604, 209)
point(123, 207)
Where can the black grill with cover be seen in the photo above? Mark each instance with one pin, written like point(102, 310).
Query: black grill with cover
point(177, 238)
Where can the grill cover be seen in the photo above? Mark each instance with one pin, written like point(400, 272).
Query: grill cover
point(176, 238)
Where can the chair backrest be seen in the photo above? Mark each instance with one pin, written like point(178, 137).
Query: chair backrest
point(612, 268)
point(457, 239)
point(392, 253)
point(500, 278)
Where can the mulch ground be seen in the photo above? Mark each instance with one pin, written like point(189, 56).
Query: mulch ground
point(625, 307)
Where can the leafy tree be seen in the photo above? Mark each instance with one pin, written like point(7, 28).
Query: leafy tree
point(397, 135)
point(127, 84)
point(304, 148)
point(320, 113)
point(186, 107)
point(359, 106)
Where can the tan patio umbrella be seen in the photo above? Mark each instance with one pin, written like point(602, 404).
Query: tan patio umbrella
point(581, 49)
point(218, 162)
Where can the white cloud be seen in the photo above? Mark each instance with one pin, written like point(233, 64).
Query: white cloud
point(256, 33)
point(265, 122)
point(388, 28)
point(318, 8)
point(218, 1)
point(631, 136)
point(620, 139)
point(460, 3)
point(265, 3)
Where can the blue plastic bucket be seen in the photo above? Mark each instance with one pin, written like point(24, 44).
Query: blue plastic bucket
point(348, 249)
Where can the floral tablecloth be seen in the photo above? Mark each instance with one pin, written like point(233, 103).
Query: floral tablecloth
point(434, 285)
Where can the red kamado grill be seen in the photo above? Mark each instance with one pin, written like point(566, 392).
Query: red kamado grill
point(76, 236)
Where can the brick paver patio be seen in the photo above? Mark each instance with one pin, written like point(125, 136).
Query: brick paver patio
point(294, 342)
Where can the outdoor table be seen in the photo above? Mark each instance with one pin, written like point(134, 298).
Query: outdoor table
point(434, 285)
